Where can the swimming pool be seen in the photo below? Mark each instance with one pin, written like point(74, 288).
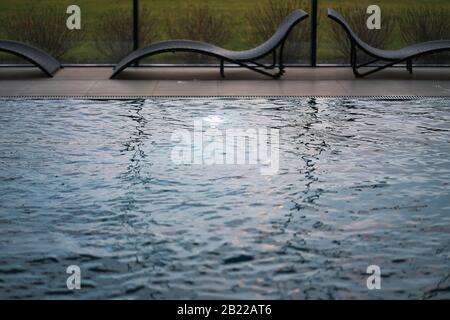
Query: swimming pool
point(121, 189)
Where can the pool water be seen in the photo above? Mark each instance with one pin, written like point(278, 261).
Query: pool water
point(93, 183)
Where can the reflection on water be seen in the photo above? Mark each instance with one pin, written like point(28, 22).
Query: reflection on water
point(92, 183)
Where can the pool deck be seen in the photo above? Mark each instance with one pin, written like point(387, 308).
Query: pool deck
point(167, 81)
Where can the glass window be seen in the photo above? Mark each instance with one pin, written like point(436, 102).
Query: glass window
point(106, 33)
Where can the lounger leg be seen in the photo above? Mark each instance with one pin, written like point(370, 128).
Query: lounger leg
point(222, 69)
point(244, 65)
point(409, 66)
point(274, 60)
point(280, 62)
point(353, 61)
point(390, 64)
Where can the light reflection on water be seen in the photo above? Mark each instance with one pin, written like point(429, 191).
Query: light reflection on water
point(92, 183)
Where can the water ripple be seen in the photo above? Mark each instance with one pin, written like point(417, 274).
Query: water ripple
point(91, 183)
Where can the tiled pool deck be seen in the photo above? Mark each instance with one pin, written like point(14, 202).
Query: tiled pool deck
point(85, 82)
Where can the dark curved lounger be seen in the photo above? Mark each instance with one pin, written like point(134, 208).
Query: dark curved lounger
point(241, 58)
point(36, 56)
point(393, 57)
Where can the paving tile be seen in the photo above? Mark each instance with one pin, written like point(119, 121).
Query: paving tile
point(249, 88)
point(25, 73)
point(59, 88)
point(14, 88)
point(188, 88)
point(313, 88)
point(94, 73)
point(443, 87)
point(207, 82)
point(122, 88)
point(393, 87)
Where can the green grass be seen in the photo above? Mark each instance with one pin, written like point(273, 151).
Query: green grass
point(235, 10)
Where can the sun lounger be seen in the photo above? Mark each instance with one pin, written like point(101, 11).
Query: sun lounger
point(36, 56)
point(392, 57)
point(247, 59)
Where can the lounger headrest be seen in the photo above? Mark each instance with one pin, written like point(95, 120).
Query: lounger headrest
point(340, 19)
